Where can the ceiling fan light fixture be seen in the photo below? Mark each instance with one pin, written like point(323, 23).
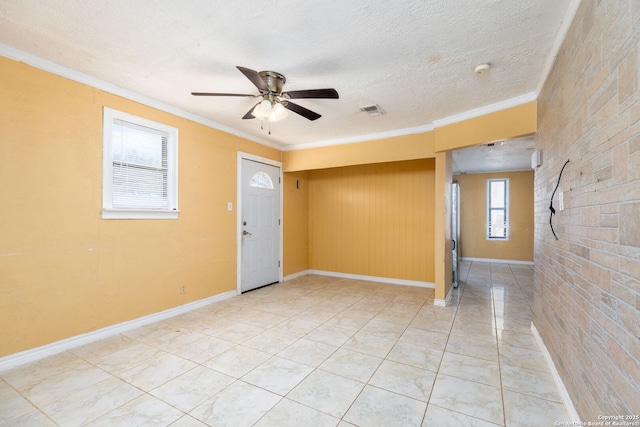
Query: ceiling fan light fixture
point(258, 113)
point(278, 112)
point(272, 112)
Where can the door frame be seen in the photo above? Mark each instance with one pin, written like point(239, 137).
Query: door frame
point(246, 156)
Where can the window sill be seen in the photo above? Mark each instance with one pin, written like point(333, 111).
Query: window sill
point(138, 214)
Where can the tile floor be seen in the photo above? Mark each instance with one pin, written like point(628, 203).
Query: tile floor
point(313, 351)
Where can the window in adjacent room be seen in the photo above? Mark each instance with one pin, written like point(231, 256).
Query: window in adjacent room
point(140, 162)
point(498, 209)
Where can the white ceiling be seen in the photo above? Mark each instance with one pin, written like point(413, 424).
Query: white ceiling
point(510, 155)
point(414, 58)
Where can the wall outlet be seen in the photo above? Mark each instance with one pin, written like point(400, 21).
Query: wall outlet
point(182, 289)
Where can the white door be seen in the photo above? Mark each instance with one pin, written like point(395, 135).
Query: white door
point(260, 225)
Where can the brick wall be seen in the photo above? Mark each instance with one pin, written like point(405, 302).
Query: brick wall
point(587, 284)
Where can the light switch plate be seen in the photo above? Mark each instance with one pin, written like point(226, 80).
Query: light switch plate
point(561, 200)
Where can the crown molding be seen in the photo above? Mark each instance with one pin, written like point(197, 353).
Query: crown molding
point(557, 44)
point(487, 109)
point(359, 138)
point(477, 112)
point(59, 70)
point(86, 79)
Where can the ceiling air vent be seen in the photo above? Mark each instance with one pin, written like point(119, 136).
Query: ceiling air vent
point(372, 110)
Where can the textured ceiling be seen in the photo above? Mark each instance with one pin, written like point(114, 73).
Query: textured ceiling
point(511, 155)
point(414, 58)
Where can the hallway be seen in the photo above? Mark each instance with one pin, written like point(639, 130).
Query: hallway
point(314, 350)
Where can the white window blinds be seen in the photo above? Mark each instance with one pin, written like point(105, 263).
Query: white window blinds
point(497, 209)
point(140, 168)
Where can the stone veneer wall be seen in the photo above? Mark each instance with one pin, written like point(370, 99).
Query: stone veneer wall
point(587, 284)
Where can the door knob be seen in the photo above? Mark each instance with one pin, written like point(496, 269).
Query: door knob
point(246, 233)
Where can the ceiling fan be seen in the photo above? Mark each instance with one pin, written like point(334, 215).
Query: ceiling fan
point(275, 103)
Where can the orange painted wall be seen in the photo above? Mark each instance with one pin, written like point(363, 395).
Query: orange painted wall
point(442, 225)
point(512, 122)
point(374, 220)
point(473, 217)
point(63, 270)
point(397, 148)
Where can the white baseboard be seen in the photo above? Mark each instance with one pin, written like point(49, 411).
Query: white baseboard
point(388, 280)
point(564, 394)
point(296, 275)
point(16, 359)
point(444, 302)
point(497, 261)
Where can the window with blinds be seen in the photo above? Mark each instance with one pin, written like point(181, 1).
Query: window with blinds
point(497, 209)
point(139, 179)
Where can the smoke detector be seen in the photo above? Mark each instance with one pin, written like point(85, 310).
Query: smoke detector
point(372, 110)
point(481, 68)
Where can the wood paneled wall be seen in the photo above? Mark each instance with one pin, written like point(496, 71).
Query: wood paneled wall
point(374, 220)
point(296, 222)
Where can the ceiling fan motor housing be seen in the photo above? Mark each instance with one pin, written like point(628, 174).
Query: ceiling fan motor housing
point(274, 81)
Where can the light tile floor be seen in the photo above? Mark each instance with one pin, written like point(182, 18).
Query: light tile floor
point(313, 351)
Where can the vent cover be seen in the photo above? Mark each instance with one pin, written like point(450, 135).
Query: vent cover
point(372, 110)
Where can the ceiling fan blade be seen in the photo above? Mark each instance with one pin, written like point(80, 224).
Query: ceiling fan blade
point(255, 78)
point(311, 93)
point(222, 94)
point(304, 112)
point(249, 115)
